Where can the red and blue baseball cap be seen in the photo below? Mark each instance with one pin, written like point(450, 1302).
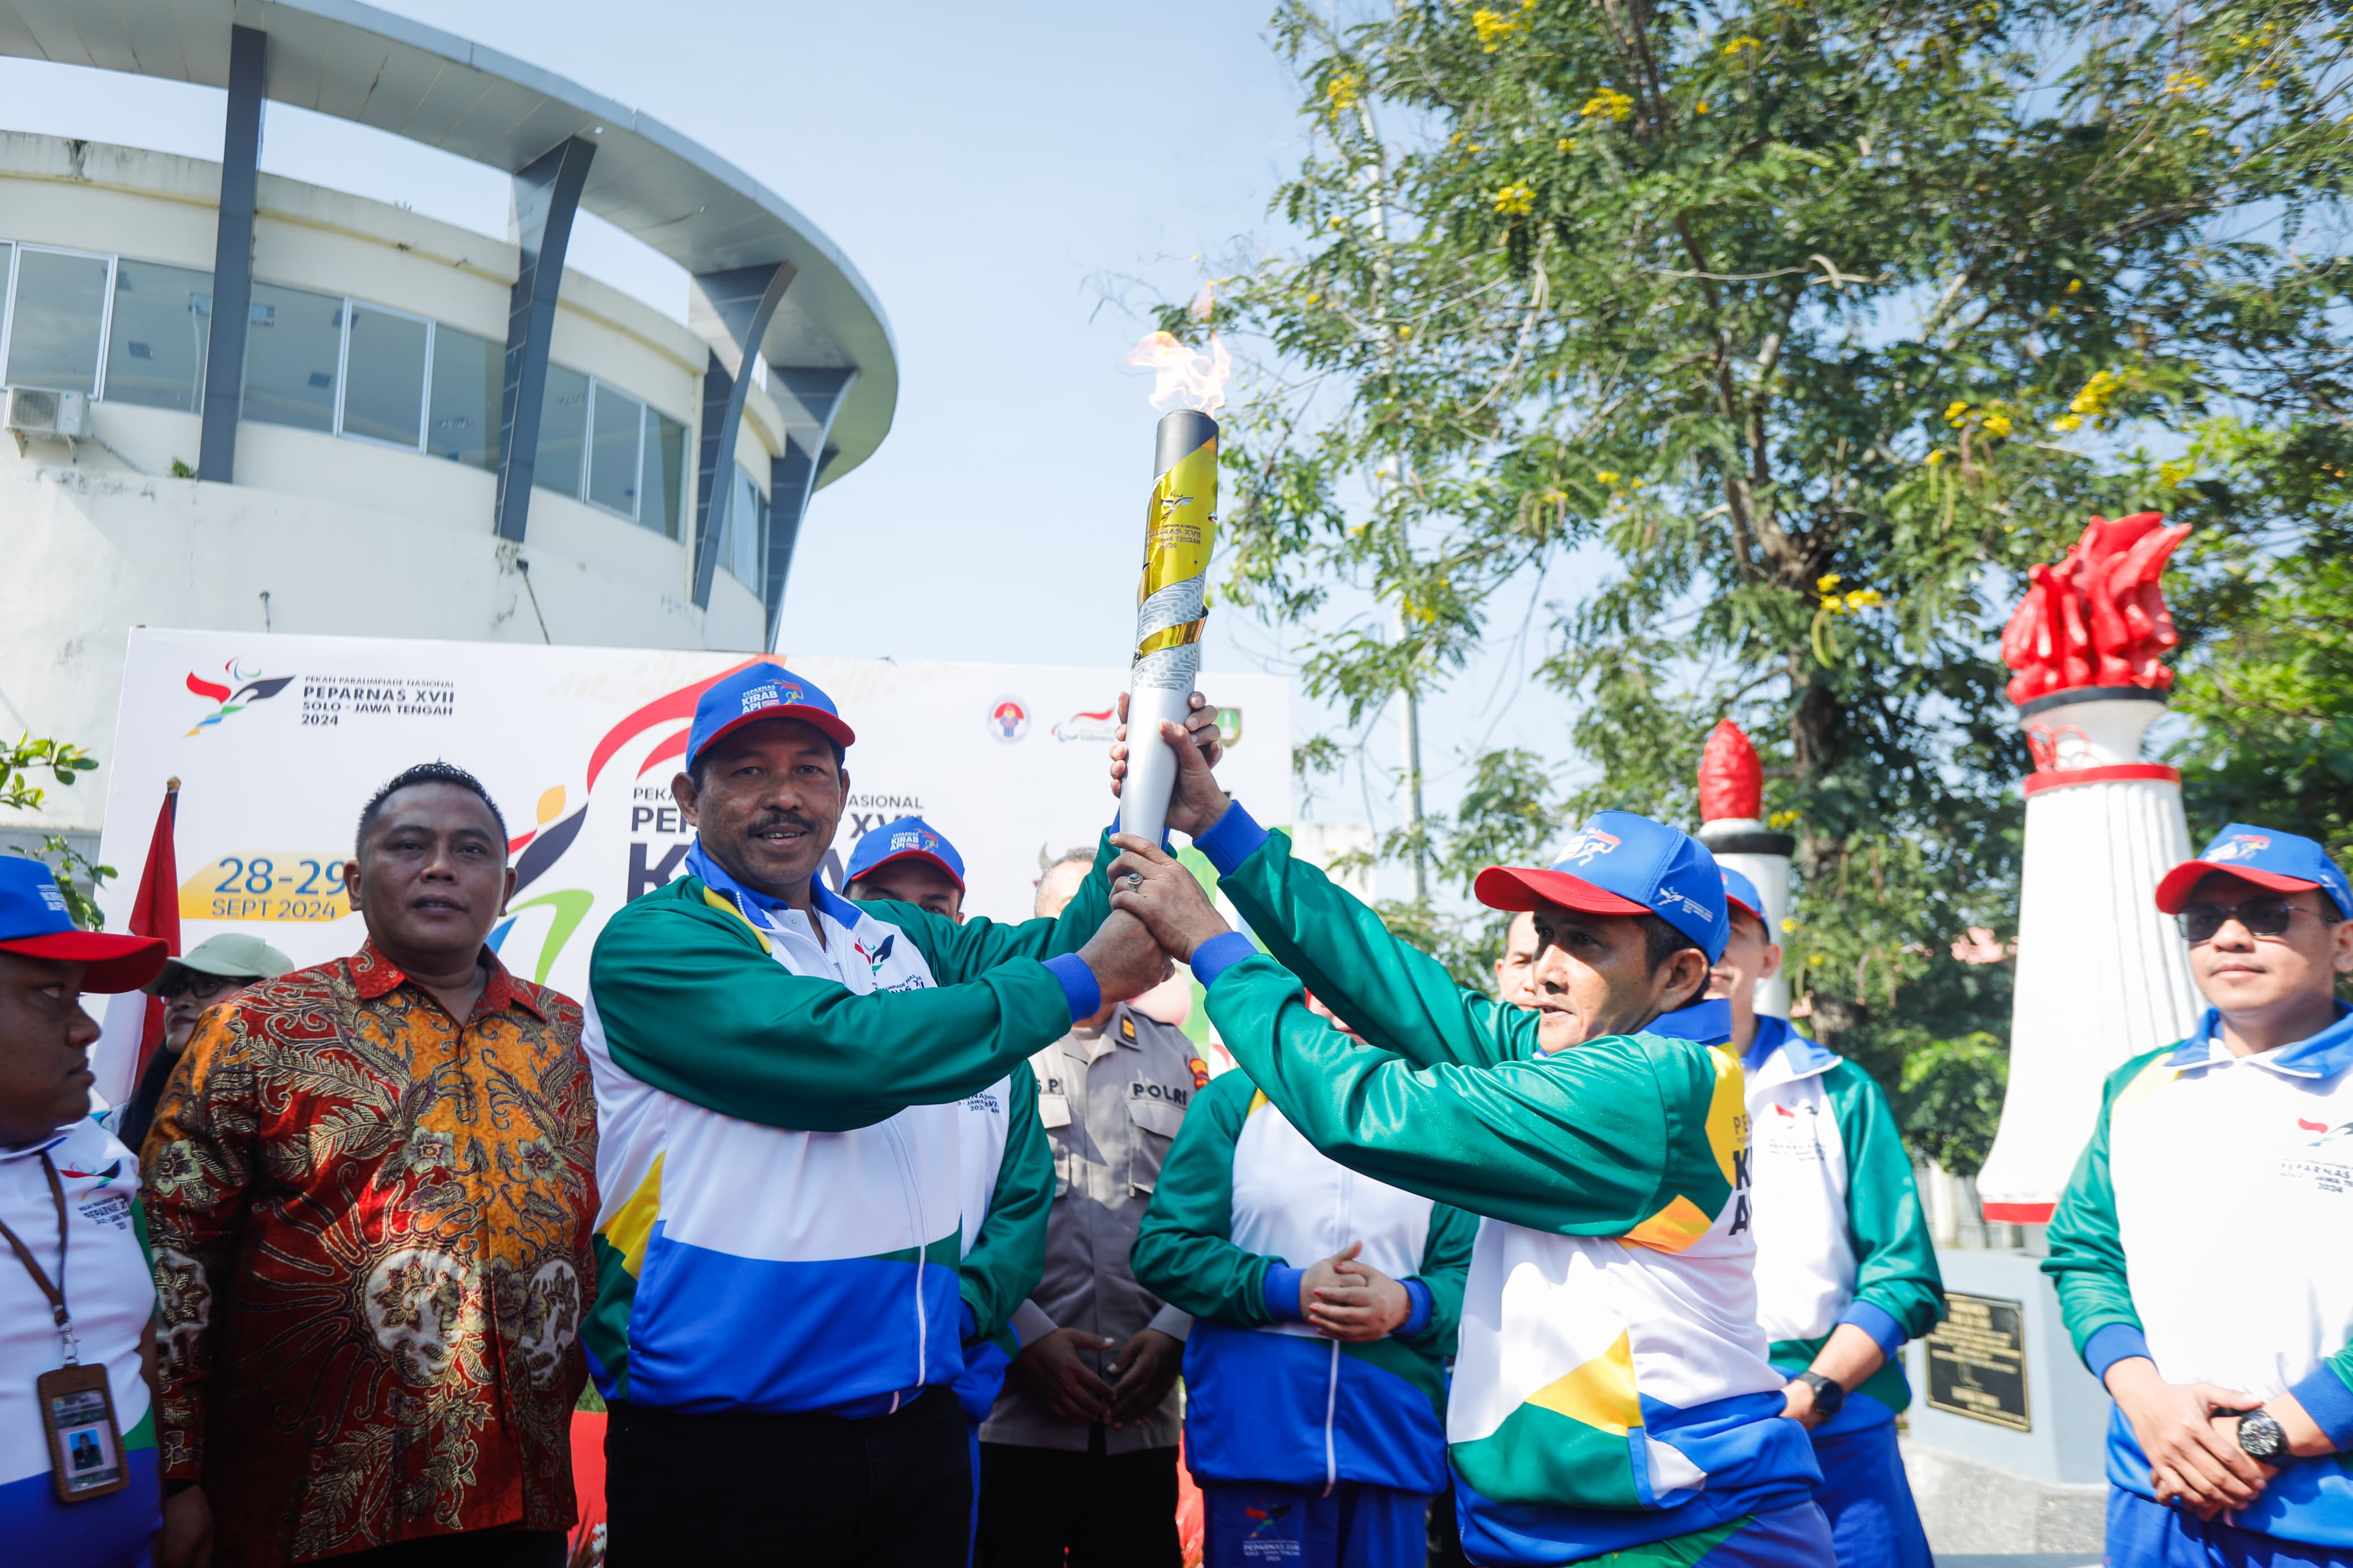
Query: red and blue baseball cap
point(2282, 862)
point(758, 693)
point(35, 921)
point(1622, 864)
point(909, 838)
point(1741, 893)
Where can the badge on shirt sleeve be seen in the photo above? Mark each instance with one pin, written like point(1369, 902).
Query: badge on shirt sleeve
point(85, 1446)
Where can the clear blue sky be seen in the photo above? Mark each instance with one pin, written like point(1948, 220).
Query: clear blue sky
point(990, 169)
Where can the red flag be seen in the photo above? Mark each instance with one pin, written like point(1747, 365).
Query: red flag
point(156, 912)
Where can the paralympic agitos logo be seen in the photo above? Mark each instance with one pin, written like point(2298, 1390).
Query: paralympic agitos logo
point(237, 698)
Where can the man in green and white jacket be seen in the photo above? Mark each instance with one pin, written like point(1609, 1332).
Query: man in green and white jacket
point(1612, 1392)
point(2200, 1250)
point(1324, 1304)
point(1846, 1271)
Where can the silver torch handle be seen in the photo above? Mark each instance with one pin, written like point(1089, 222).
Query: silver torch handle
point(1172, 605)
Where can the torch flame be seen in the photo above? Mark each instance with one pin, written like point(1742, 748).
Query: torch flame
point(1182, 378)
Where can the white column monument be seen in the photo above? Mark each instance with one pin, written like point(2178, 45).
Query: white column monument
point(1731, 809)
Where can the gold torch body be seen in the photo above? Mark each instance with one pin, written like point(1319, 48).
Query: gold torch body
point(1172, 605)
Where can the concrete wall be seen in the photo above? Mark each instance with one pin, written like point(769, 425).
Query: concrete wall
point(344, 536)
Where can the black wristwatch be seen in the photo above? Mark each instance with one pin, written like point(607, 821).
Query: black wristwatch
point(2263, 1438)
point(1829, 1397)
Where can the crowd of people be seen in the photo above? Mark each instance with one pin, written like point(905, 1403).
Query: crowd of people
point(886, 1233)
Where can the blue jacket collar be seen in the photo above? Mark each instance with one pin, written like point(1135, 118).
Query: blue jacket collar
point(845, 913)
point(1709, 1022)
point(1805, 1058)
point(2323, 1055)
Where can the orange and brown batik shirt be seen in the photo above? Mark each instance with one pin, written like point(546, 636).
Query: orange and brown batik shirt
point(371, 1235)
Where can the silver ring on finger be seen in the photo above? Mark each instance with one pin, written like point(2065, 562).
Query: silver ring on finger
point(1134, 879)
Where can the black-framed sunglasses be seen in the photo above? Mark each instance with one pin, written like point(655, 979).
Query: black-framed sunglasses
point(203, 987)
point(2262, 917)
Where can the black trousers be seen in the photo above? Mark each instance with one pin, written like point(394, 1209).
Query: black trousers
point(1105, 1511)
point(811, 1491)
point(472, 1549)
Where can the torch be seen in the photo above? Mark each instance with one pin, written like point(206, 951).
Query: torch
point(1172, 599)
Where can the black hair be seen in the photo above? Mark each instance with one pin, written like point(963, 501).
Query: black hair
point(1661, 942)
point(435, 772)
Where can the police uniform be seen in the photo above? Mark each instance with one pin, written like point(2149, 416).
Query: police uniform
point(1112, 1101)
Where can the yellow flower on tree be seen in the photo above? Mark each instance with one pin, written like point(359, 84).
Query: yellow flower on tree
point(1996, 422)
point(1955, 411)
point(2093, 401)
point(1515, 199)
point(1733, 50)
point(2170, 475)
point(1827, 582)
point(1493, 27)
point(1608, 103)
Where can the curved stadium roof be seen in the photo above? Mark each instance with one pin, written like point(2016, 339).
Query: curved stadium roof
point(358, 63)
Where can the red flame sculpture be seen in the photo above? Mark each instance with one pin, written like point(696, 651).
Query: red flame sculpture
point(2098, 617)
point(1731, 779)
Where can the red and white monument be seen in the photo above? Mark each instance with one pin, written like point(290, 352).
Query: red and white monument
point(1731, 811)
point(2101, 977)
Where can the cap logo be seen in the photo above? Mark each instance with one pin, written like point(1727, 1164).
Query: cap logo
point(1589, 842)
point(53, 898)
point(2238, 846)
point(910, 841)
point(1691, 906)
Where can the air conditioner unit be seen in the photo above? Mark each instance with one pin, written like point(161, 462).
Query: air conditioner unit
point(36, 411)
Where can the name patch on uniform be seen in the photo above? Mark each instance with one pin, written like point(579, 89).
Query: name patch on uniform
point(1155, 1091)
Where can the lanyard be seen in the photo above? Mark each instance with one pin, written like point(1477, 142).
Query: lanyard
point(56, 1292)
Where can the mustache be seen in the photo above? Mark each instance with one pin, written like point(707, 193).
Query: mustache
point(779, 817)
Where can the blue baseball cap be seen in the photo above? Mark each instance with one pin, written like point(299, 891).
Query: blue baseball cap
point(758, 693)
point(909, 838)
point(35, 921)
point(2282, 862)
point(1622, 864)
point(1740, 892)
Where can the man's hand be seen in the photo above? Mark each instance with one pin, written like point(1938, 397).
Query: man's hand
point(1164, 895)
point(2190, 1456)
point(1347, 1299)
point(1797, 1404)
point(1146, 1370)
point(1124, 959)
point(1052, 1368)
point(186, 1539)
point(1197, 801)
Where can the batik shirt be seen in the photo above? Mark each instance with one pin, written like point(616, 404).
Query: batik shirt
point(370, 1228)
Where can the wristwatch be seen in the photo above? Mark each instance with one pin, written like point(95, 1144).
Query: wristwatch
point(2262, 1437)
point(1829, 1397)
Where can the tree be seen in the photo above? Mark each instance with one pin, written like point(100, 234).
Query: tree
point(78, 876)
point(1827, 319)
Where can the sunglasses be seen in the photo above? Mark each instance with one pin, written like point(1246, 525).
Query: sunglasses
point(2262, 917)
point(203, 987)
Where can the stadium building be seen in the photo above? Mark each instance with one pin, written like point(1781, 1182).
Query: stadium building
point(234, 401)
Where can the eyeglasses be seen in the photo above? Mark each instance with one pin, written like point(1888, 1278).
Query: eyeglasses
point(2262, 917)
point(203, 987)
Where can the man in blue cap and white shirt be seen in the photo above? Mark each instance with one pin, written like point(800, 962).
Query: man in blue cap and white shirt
point(68, 1195)
point(780, 1080)
point(1846, 1271)
point(1612, 1391)
point(2200, 1250)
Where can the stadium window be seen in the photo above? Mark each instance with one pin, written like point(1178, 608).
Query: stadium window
point(57, 319)
point(383, 375)
point(616, 467)
point(159, 335)
point(563, 432)
point(661, 489)
point(461, 419)
point(293, 357)
point(743, 537)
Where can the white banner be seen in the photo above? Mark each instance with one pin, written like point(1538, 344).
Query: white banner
point(279, 741)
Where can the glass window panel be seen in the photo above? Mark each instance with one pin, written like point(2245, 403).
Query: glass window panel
point(383, 391)
point(744, 535)
point(160, 335)
point(663, 486)
point(613, 456)
point(468, 373)
point(53, 337)
point(292, 346)
point(563, 431)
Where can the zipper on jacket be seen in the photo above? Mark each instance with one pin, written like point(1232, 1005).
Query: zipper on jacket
point(1332, 1388)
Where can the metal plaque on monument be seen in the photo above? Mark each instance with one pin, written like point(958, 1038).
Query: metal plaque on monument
point(2006, 1427)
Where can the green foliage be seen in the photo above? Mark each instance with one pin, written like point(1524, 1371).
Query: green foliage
point(1950, 1100)
point(1824, 321)
point(78, 876)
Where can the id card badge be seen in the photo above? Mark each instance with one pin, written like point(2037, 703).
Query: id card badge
point(85, 1446)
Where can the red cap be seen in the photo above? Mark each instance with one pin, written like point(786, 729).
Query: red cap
point(1518, 888)
point(2173, 893)
point(115, 963)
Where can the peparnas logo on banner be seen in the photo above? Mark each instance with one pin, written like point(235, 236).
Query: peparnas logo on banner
point(235, 699)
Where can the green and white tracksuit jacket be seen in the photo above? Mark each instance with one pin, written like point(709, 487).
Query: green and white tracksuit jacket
point(1840, 1237)
point(790, 1220)
point(1007, 1166)
point(1244, 1204)
point(2206, 1227)
point(1612, 1388)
